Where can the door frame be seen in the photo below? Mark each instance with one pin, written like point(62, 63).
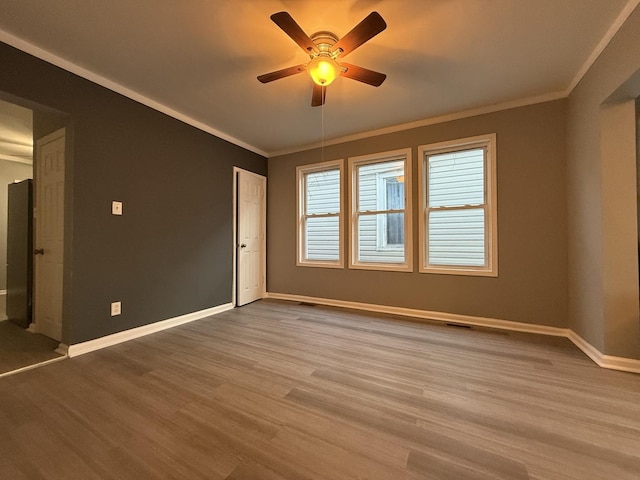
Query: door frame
point(235, 246)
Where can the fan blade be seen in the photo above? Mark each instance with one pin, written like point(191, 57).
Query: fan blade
point(319, 94)
point(362, 74)
point(285, 72)
point(291, 28)
point(365, 30)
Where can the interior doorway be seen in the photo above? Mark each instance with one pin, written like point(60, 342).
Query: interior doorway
point(249, 236)
point(20, 346)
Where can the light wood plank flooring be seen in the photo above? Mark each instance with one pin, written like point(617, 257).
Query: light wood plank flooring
point(278, 390)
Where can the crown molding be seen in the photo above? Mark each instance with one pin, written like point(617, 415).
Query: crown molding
point(16, 159)
point(602, 44)
point(54, 59)
point(473, 112)
point(127, 92)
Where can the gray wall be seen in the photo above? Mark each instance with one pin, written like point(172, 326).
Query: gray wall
point(532, 221)
point(601, 163)
point(171, 252)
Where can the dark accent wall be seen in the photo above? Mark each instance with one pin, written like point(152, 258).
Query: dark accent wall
point(532, 225)
point(171, 252)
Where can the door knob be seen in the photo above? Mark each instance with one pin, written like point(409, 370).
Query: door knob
point(243, 245)
point(38, 251)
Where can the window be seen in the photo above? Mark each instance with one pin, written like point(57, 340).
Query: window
point(381, 213)
point(458, 221)
point(320, 215)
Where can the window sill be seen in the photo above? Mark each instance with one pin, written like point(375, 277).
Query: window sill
point(464, 271)
point(320, 264)
point(387, 267)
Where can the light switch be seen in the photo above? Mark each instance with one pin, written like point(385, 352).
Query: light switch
point(116, 208)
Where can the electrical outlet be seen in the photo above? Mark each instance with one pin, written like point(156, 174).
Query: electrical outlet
point(116, 208)
point(116, 308)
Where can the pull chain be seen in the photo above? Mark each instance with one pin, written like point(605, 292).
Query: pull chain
point(322, 137)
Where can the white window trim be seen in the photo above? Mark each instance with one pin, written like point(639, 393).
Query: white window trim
point(301, 171)
point(491, 206)
point(407, 265)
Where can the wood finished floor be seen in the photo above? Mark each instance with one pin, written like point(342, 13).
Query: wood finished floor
point(277, 390)
point(20, 348)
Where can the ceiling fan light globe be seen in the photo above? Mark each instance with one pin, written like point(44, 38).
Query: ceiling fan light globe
point(323, 70)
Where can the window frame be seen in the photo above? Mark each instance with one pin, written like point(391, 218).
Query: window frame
point(301, 216)
point(355, 162)
point(490, 205)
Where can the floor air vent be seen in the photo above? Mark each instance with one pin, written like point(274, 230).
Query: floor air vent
point(457, 325)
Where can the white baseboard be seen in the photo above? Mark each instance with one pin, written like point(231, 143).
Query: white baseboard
point(428, 315)
point(114, 339)
point(602, 360)
point(62, 349)
point(605, 361)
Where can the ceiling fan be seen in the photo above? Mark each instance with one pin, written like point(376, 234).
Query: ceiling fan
point(326, 52)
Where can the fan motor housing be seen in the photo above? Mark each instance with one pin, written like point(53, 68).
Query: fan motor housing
point(324, 41)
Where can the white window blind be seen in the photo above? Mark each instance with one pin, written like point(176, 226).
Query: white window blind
point(458, 227)
point(322, 215)
point(456, 208)
point(319, 199)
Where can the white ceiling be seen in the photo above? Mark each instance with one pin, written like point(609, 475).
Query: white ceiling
point(198, 60)
point(16, 137)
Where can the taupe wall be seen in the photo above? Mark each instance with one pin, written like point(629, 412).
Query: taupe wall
point(601, 165)
point(171, 252)
point(532, 282)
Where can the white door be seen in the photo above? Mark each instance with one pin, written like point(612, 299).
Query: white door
point(251, 238)
point(49, 223)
